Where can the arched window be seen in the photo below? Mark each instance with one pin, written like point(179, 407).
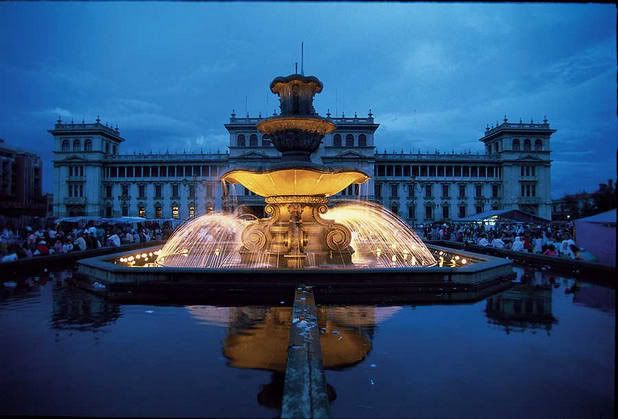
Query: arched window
point(496, 147)
point(265, 141)
point(77, 145)
point(240, 141)
point(66, 146)
point(538, 145)
point(527, 145)
point(88, 145)
point(362, 140)
point(253, 142)
point(515, 144)
point(337, 140)
point(349, 140)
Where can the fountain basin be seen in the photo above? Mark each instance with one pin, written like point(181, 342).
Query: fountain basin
point(295, 181)
point(484, 275)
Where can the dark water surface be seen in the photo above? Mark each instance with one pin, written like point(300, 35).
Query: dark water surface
point(540, 349)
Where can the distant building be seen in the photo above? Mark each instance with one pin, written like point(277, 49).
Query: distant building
point(20, 183)
point(572, 206)
point(91, 177)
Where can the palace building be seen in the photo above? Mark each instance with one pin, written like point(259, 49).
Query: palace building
point(92, 177)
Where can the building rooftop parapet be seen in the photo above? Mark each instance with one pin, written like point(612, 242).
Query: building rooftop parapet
point(436, 157)
point(506, 125)
point(219, 157)
point(248, 120)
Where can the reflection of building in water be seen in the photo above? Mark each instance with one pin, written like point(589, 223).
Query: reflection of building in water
point(258, 338)
point(524, 306)
point(74, 309)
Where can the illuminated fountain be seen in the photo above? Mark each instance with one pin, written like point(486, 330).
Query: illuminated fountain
point(343, 251)
point(298, 232)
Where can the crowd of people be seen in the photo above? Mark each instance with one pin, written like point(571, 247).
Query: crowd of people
point(551, 239)
point(27, 242)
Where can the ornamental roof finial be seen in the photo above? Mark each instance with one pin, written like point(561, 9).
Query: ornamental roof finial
point(505, 119)
point(328, 113)
point(370, 114)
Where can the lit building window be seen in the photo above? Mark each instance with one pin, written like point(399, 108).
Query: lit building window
point(141, 212)
point(191, 211)
point(158, 212)
point(175, 212)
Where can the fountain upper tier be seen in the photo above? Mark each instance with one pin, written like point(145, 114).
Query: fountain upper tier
point(296, 181)
point(298, 130)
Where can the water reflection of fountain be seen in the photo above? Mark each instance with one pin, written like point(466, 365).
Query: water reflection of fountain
point(257, 338)
point(379, 239)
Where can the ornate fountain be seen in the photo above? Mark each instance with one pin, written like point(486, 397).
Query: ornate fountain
point(296, 190)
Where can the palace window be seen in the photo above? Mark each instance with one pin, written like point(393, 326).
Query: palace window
point(349, 140)
point(106, 147)
point(146, 171)
point(395, 209)
point(449, 171)
point(462, 191)
point(66, 146)
point(108, 191)
point(362, 140)
point(240, 140)
point(445, 191)
point(141, 212)
point(175, 212)
point(378, 190)
point(406, 171)
point(122, 171)
point(191, 191)
point(138, 171)
point(125, 210)
point(337, 140)
point(462, 211)
point(114, 149)
point(141, 191)
point(428, 190)
point(191, 211)
point(88, 145)
point(445, 212)
point(130, 171)
point(411, 212)
point(266, 141)
point(108, 211)
point(158, 211)
point(441, 171)
point(394, 191)
point(411, 190)
point(77, 145)
point(479, 209)
point(479, 191)
point(526, 145)
point(538, 145)
point(209, 190)
point(428, 212)
point(496, 147)
point(516, 144)
point(158, 191)
point(125, 190)
point(494, 191)
point(253, 140)
point(175, 191)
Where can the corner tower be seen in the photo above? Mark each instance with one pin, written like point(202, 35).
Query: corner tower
point(524, 152)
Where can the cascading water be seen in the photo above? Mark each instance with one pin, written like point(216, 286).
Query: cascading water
point(379, 239)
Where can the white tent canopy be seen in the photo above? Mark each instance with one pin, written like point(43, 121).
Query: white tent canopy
point(597, 234)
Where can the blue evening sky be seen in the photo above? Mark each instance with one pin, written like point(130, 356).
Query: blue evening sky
point(434, 75)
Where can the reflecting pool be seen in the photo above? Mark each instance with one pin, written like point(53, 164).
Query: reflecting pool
point(544, 348)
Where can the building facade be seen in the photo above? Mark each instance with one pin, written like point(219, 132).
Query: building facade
point(21, 176)
point(92, 177)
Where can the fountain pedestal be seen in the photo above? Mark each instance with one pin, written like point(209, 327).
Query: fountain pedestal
point(295, 235)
